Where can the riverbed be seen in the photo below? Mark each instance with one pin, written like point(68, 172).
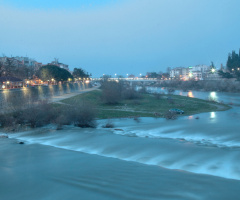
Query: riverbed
point(193, 157)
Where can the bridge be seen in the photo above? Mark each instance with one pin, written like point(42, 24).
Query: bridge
point(128, 79)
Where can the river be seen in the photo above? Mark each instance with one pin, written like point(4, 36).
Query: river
point(187, 158)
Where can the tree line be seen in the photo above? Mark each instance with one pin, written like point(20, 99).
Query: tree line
point(233, 66)
point(10, 68)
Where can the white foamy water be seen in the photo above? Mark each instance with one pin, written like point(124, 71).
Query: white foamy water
point(152, 142)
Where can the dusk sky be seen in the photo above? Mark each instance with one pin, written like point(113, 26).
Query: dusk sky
point(121, 36)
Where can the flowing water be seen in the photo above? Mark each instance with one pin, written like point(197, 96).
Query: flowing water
point(198, 154)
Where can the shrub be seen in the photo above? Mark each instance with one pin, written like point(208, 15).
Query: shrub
point(130, 93)
point(170, 115)
point(37, 115)
point(109, 124)
point(84, 116)
point(111, 92)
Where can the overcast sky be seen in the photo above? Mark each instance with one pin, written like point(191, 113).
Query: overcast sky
point(121, 36)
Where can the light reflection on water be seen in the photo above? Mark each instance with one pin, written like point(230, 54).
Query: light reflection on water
point(213, 96)
point(190, 94)
point(190, 117)
point(213, 115)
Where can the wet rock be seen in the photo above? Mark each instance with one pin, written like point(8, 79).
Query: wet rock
point(197, 117)
point(182, 139)
point(117, 129)
point(21, 142)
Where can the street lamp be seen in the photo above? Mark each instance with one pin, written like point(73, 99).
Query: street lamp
point(213, 70)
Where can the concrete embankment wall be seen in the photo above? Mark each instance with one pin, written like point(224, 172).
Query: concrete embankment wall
point(15, 97)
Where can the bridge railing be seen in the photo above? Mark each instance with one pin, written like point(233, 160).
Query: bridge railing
point(127, 79)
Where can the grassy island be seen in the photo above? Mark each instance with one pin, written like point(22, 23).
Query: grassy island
point(82, 110)
point(148, 105)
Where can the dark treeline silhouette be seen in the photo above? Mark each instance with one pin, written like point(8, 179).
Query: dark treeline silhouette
point(11, 68)
point(233, 66)
point(49, 72)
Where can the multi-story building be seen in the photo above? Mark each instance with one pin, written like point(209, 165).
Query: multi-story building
point(61, 65)
point(198, 72)
point(22, 61)
point(180, 73)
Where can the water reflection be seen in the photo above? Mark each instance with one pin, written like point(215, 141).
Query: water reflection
point(190, 94)
point(212, 115)
point(190, 117)
point(213, 96)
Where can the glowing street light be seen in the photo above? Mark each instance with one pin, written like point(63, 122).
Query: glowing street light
point(213, 70)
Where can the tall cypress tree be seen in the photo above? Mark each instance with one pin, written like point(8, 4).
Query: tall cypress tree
point(233, 64)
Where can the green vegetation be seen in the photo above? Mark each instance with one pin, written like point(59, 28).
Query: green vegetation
point(149, 105)
point(49, 72)
point(80, 73)
point(11, 68)
point(233, 66)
